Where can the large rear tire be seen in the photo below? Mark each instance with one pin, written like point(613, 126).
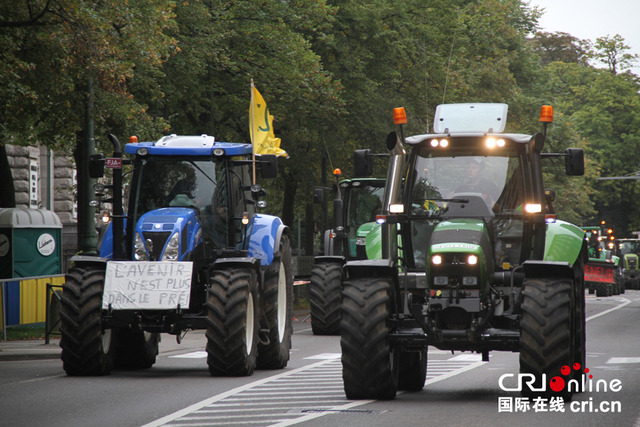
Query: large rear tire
point(579, 329)
point(546, 342)
point(232, 323)
point(369, 364)
point(278, 310)
point(412, 370)
point(87, 349)
point(603, 290)
point(136, 349)
point(324, 298)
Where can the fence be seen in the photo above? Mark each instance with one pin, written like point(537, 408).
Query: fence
point(26, 300)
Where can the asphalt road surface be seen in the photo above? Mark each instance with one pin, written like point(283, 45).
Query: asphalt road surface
point(460, 388)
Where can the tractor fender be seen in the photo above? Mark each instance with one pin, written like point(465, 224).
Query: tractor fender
point(78, 260)
point(538, 269)
point(329, 259)
point(235, 263)
point(564, 242)
point(370, 268)
point(264, 240)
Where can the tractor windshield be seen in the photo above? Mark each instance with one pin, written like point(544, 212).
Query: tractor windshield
point(364, 202)
point(629, 247)
point(212, 186)
point(458, 184)
point(172, 181)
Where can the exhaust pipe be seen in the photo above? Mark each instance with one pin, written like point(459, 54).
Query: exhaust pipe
point(392, 193)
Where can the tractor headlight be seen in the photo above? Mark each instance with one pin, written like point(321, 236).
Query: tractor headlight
point(171, 252)
point(469, 281)
point(436, 259)
point(139, 250)
point(440, 280)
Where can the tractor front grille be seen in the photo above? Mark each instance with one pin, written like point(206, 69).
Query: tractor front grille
point(159, 239)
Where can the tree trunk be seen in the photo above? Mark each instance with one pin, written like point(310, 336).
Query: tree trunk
point(7, 192)
point(288, 201)
point(308, 228)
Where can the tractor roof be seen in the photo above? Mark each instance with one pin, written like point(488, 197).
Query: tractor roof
point(472, 120)
point(189, 145)
point(515, 137)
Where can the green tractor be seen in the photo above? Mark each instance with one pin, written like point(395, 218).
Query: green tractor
point(355, 208)
point(468, 256)
point(627, 250)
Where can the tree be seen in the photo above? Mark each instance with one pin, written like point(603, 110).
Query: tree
point(206, 87)
point(613, 53)
point(50, 48)
point(560, 46)
point(603, 108)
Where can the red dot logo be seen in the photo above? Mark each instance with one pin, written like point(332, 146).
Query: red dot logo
point(576, 366)
point(565, 370)
point(557, 383)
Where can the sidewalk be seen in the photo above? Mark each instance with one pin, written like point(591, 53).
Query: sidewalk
point(38, 350)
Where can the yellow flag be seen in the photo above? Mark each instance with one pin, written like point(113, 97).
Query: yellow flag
point(261, 127)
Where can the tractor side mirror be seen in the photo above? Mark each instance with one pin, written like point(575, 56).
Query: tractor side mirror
point(96, 166)
point(318, 195)
point(337, 215)
point(574, 161)
point(269, 166)
point(363, 162)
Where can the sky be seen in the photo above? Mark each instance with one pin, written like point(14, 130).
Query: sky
point(590, 19)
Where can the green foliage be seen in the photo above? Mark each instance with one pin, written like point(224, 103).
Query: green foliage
point(331, 72)
point(50, 49)
point(601, 112)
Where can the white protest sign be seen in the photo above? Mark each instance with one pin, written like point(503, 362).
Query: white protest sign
point(152, 285)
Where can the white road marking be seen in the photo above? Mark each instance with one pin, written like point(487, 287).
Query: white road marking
point(192, 355)
point(325, 356)
point(617, 360)
point(626, 301)
point(467, 358)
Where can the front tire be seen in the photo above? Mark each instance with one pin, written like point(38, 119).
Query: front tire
point(324, 298)
point(87, 349)
point(278, 310)
point(369, 364)
point(546, 338)
point(412, 370)
point(136, 349)
point(232, 323)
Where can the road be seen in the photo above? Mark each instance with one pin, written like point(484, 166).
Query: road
point(460, 389)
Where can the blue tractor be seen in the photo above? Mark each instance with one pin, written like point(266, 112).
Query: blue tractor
point(189, 252)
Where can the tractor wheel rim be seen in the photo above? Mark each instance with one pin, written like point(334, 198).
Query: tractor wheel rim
point(248, 337)
point(282, 302)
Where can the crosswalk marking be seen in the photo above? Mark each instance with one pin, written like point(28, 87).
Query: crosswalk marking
point(617, 360)
point(192, 355)
point(290, 397)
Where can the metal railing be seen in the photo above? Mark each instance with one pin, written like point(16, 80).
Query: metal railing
point(48, 329)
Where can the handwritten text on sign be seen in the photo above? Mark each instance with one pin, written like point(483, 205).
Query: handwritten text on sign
point(596, 273)
point(147, 285)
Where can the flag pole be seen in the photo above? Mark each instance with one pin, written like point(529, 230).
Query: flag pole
point(253, 145)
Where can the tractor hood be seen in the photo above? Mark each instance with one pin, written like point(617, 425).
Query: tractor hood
point(165, 234)
point(460, 254)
